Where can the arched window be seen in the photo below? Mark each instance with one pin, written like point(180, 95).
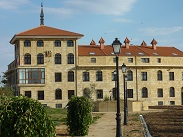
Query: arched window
point(70, 43)
point(58, 58)
point(27, 58)
point(58, 94)
point(172, 92)
point(70, 58)
point(99, 75)
point(27, 43)
point(70, 76)
point(144, 92)
point(159, 75)
point(57, 43)
point(130, 75)
point(40, 58)
point(40, 43)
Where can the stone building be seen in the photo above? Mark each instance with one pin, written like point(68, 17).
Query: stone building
point(50, 66)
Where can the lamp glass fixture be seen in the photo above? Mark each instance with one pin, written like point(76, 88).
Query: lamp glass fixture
point(116, 46)
point(123, 67)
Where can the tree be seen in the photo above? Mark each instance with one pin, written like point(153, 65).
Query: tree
point(5, 90)
point(79, 116)
point(24, 117)
point(89, 91)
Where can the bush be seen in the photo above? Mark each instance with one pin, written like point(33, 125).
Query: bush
point(24, 117)
point(79, 116)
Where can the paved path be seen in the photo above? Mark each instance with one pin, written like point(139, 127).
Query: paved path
point(104, 127)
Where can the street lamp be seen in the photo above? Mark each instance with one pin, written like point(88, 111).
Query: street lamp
point(117, 49)
point(123, 67)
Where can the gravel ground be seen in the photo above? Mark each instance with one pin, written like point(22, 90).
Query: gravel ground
point(106, 127)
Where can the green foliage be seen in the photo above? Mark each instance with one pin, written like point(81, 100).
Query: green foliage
point(57, 115)
point(79, 116)
point(24, 117)
point(106, 98)
point(88, 91)
point(6, 91)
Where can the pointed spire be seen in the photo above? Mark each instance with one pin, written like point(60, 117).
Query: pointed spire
point(127, 41)
point(92, 42)
point(154, 42)
point(143, 43)
point(101, 41)
point(41, 15)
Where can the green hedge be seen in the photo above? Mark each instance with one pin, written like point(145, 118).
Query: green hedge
point(24, 117)
point(79, 116)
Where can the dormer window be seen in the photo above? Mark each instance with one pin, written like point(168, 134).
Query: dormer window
point(92, 53)
point(140, 53)
point(128, 53)
point(175, 54)
point(154, 53)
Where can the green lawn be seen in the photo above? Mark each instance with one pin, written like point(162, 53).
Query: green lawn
point(58, 116)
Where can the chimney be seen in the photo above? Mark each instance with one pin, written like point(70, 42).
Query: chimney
point(154, 42)
point(127, 41)
point(92, 43)
point(101, 41)
point(143, 43)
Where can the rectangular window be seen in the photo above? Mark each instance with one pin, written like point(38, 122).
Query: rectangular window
point(172, 102)
point(70, 93)
point(99, 76)
point(114, 60)
point(114, 76)
point(58, 105)
point(160, 103)
point(129, 93)
point(86, 76)
point(145, 60)
point(130, 60)
point(40, 95)
point(100, 94)
point(93, 60)
point(171, 75)
point(28, 94)
point(160, 92)
point(58, 77)
point(158, 60)
point(31, 76)
point(144, 76)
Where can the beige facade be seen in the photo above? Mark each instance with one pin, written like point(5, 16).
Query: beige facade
point(155, 74)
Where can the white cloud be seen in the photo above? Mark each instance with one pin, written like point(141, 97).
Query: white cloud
point(12, 4)
point(161, 31)
point(108, 7)
point(122, 20)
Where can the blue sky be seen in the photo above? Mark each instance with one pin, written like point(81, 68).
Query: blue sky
point(137, 19)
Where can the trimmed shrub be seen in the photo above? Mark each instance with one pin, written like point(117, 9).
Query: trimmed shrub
point(79, 116)
point(24, 117)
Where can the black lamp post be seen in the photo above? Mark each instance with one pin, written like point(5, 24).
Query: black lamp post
point(123, 67)
point(117, 49)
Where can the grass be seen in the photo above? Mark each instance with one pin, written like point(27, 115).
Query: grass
point(58, 115)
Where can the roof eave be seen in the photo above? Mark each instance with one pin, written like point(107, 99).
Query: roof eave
point(16, 37)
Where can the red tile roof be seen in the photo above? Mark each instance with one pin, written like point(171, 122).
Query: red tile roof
point(46, 31)
point(132, 51)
